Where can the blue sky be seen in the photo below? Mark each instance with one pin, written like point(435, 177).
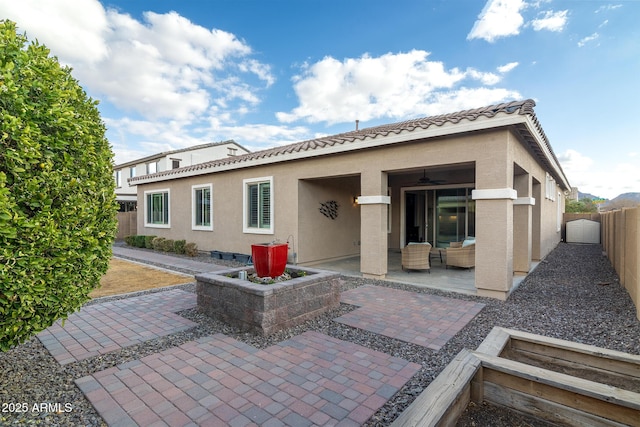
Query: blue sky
point(171, 74)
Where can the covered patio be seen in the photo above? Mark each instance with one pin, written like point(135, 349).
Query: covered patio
point(445, 279)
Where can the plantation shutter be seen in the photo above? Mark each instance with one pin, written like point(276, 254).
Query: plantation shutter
point(265, 199)
point(158, 208)
point(165, 208)
point(206, 206)
point(149, 208)
point(253, 205)
point(203, 207)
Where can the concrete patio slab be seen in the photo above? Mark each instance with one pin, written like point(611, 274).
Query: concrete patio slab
point(176, 263)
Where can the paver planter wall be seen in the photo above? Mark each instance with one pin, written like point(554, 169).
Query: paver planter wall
point(267, 308)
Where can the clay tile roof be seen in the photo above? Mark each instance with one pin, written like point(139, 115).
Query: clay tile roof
point(520, 107)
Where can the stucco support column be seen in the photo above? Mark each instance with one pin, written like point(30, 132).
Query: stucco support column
point(373, 203)
point(494, 241)
point(536, 219)
point(522, 224)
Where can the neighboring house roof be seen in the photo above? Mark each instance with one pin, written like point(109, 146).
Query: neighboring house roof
point(182, 150)
point(519, 115)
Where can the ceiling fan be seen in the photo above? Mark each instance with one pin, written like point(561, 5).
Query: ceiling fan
point(425, 180)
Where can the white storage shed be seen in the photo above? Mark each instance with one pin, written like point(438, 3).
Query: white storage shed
point(583, 231)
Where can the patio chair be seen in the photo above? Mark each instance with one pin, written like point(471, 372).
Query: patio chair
point(415, 256)
point(461, 255)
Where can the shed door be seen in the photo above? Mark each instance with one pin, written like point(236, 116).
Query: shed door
point(583, 231)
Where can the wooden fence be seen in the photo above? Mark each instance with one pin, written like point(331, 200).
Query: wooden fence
point(621, 242)
point(127, 224)
point(573, 216)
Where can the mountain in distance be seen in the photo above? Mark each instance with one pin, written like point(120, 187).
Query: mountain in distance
point(621, 201)
point(625, 200)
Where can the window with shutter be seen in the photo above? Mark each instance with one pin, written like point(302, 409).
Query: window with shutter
point(202, 207)
point(157, 209)
point(258, 209)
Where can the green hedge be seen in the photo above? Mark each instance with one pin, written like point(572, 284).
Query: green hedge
point(162, 244)
point(57, 195)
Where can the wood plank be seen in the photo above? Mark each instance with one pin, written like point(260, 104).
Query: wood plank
point(599, 399)
point(543, 409)
point(446, 397)
point(497, 340)
point(574, 346)
point(458, 406)
point(600, 361)
point(576, 369)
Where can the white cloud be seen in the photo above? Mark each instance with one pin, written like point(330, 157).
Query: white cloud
point(499, 18)
point(157, 136)
point(392, 85)
point(551, 21)
point(162, 67)
point(504, 18)
point(608, 7)
point(73, 30)
point(507, 67)
point(598, 179)
point(573, 161)
point(588, 39)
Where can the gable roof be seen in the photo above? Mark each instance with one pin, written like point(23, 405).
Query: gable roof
point(181, 150)
point(519, 115)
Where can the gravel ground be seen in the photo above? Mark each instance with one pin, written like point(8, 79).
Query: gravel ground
point(573, 294)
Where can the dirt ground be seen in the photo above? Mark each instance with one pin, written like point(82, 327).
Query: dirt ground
point(125, 276)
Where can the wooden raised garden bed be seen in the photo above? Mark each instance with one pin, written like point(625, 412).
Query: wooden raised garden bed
point(555, 380)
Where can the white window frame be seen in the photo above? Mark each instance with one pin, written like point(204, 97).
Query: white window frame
point(245, 206)
point(550, 192)
point(194, 209)
point(118, 177)
point(146, 209)
point(559, 214)
point(151, 169)
point(132, 172)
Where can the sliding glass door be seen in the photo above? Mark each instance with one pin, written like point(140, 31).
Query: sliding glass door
point(439, 216)
point(455, 218)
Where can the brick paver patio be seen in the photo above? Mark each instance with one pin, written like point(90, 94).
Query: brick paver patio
point(422, 319)
point(110, 326)
point(310, 379)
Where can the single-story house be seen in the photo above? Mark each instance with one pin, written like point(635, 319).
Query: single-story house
point(487, 173)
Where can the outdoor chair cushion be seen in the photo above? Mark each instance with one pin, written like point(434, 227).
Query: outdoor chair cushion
point(415, 256)
point(459, 256)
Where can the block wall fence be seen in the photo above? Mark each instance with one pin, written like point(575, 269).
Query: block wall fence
point(621, 242)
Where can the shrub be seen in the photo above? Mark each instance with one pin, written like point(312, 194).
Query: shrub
point(57, 198)
point(178, 246)
point(148, 241)
point(191, 249)
point(167, 245)
point(129, 240)
point(158, 243)
point(140, 241)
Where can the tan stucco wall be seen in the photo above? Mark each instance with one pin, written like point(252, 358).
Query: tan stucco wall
point(300, 185)
point(550, 224)
point(227, 191)
point(320, 237)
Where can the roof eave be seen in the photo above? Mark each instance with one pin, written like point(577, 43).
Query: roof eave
point(541, 144)
point(482, 123)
